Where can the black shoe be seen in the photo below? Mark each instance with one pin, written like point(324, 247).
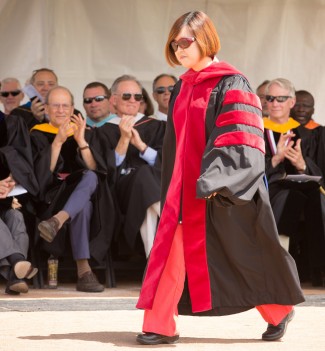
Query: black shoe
point(17, 286)
point(24, 269)
point(156, 339)
point(273, 332)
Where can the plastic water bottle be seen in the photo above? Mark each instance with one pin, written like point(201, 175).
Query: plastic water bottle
point(52, 272)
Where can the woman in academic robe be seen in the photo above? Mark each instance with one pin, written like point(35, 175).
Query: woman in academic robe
point(216, 231)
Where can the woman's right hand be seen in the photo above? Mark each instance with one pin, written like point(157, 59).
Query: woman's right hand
point(6, 185)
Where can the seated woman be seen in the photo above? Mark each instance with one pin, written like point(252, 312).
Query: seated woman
point(65, 165)
point(16, 167)
point(13, 243)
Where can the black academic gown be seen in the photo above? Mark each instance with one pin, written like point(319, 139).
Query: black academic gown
point(214, 143)
point(137, 183)
point(294, 203)
point(16, 154)
point(315, 148)
point(54, 191)
point(16, 159)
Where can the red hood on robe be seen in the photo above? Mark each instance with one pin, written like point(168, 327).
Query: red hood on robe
point(216, 69)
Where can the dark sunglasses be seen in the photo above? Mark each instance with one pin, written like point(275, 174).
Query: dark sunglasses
point(98, 98)
point(163, 90)
point(12, 93)
point(127, 96)
point(183, 43)
point(271, 98)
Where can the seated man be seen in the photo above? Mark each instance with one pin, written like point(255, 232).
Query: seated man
point(260, 92)
point(303, 111)
point(97, 104)
point(10, 94)
point(285, 155)
point(137, 141)
point(65, 165)
point(162, 87)
point(15, 167)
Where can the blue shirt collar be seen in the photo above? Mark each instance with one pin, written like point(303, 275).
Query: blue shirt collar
point(91, 123)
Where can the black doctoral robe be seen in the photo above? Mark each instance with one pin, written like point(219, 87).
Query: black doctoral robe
point(137, 184)
point(214, 143)
point(297, 207)
point(54, 191)
point(16, 159)
point(16, 154)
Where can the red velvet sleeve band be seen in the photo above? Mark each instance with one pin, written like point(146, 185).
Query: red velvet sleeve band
point(242, 97)
point(240, 138)
point(240, 117)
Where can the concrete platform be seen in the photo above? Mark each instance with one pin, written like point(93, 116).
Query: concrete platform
point(65, 319)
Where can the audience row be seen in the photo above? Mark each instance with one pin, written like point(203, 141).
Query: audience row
point(98, 178)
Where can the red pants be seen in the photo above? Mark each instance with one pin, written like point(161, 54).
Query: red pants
point(162, 318)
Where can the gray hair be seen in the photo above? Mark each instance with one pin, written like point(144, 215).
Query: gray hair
point(283, 83)
point(124, 78)
point(47, 99)
point(10, 80)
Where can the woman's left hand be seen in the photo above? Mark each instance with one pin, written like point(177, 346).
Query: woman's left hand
point(211, 195)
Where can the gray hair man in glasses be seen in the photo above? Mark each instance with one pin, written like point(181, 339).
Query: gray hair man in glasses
point(137, 142)
point(162, 87)
point(97, 104)
point(11, 95)
point(286, 154)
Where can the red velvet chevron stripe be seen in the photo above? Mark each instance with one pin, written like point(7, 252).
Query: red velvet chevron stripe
point(243, 97)
point(240, 138)
point(240, 117)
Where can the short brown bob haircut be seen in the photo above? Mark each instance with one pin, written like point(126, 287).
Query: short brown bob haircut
point(202, 29)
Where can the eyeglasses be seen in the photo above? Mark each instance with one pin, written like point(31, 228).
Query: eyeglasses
point(162, 90)
point(98, 98)
point(271, 98)
point(183, 43)
point(64, 107)
point(12, 93)
point(127, 96)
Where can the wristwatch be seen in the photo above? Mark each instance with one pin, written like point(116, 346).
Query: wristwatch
point(84, 147)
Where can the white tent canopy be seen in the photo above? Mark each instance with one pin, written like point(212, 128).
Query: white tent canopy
point(88, 40)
